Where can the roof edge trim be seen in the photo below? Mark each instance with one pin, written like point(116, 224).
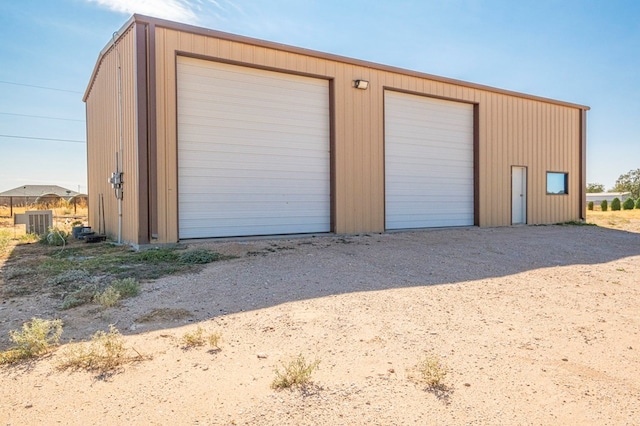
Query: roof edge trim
point(123, 29)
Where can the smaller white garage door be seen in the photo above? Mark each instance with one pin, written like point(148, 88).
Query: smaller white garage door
point(428, 162)
point(253, 151)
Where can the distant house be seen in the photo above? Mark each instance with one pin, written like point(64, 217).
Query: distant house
point(598, 197)
point(37, 194)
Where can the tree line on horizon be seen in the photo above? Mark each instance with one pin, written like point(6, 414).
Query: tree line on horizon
point(628, 182)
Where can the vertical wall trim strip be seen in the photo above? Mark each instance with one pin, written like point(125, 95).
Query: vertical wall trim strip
point(583, 165)
point(152, 126)
point(332, 155)
point(476, 164)
point(141, 127)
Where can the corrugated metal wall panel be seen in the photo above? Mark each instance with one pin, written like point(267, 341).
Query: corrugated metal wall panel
point(103, 140)
point(512, 131)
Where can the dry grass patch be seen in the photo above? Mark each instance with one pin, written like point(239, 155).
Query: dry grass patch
point(200, 338)
point(628, 220)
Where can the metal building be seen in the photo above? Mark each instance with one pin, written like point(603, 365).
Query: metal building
point(201, 134)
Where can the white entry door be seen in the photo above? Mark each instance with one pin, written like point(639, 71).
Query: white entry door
point(518, 195)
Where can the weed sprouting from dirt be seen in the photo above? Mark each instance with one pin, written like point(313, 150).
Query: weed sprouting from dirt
point(105, 353)
point(200, 338)
point(37, 338)
point(296, 373)
point(433, 372)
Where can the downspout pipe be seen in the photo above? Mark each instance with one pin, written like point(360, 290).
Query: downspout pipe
point(118, 182)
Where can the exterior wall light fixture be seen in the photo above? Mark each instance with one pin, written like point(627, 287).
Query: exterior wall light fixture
point(361, 84)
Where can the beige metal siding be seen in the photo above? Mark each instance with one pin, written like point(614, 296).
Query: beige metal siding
point(513, 130)
point(103, 140)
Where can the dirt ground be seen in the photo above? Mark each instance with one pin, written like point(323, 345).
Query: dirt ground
point(535, 325)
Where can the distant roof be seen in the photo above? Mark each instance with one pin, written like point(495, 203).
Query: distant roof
point(601, 194)
point(38, 191)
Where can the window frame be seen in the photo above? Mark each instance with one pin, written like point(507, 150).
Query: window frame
point(566, 183)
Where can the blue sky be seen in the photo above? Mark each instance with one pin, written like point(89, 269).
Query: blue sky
point(581, 51)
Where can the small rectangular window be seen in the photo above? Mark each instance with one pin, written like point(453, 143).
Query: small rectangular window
point(557, 183)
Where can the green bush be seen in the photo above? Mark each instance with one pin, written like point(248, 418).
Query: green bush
point(638, 203)
point(127, 287)
point(604, 205)
point(628, 204)
point(590, 205)
point(615, 204)
point(54, 237)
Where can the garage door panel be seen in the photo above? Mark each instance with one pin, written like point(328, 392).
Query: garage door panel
point(428, 162)
point(253, 151)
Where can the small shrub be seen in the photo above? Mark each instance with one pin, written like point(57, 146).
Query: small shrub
point(628, 204)
point(296, 373)
point(604, 205)
point(433, 372)
point(84, 294)
point(127, 287)
point(615, 204)
point(104, 353)
point(638, 203)
point(71, 301)
point(36, 338)
point(590, 205)
point(54, 237)
point(108, 298)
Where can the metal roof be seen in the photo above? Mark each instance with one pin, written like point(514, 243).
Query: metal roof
point(39, 190)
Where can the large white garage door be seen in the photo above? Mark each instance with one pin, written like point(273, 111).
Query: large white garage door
point(428, 162)
point(253, 151)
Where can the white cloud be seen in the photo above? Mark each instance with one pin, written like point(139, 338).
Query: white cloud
point(175, 10)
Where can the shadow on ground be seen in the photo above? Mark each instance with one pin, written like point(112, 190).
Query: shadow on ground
point(272, 272)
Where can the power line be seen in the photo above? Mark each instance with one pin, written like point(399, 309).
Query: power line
point(41, 116)
point(40, 87)
point(41, 139)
